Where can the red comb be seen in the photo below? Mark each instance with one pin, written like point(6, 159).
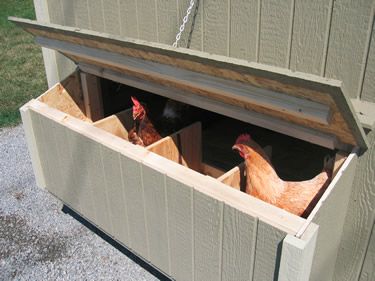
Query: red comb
point(135, 101)
point(243, 138)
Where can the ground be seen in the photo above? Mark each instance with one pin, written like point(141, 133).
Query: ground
point(38, 241)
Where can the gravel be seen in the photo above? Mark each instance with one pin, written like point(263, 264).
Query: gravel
point(40, 242)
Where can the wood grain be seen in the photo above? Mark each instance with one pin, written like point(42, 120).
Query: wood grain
point(267, 252)
point(329, 214)
point(308, 38)
point(208, 231)
point(92, 96)
point(243, 29)
point(180, 229)
point(96, 15)
point(347, 43)
point(129, 18)
point(274, 32)
point(215, 22)
point(239, 239)
point(147, 20)
point(81, 11)
point(359, 218)
point(167, 21)
point(368, 90)
point(111, 13)
point(156, 216)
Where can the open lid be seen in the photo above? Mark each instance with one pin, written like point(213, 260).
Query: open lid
point(301, 105)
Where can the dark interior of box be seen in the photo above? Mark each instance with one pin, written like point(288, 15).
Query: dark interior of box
point(293, 159)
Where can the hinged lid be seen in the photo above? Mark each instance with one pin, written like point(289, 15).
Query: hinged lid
point(301, 105)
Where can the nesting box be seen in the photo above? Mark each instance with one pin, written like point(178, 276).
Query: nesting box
point(178, 203)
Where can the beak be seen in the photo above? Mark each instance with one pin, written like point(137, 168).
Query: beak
point(236, 147)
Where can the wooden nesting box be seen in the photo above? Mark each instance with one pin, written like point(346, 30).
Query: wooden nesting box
point(164, 201)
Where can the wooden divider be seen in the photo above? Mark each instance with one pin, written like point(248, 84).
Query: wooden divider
point(118, 124)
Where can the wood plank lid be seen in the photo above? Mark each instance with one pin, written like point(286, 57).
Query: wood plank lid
point(301, 105)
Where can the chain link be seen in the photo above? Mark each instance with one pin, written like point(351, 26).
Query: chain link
point(184, 21)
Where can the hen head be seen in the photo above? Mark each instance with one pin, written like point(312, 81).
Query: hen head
point(241, 145)
point(139, 111)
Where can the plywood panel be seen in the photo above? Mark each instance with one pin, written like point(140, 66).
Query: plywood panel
point(359, 218)
point(347, 43)
point(167, 20)
point(215, 22)
point(329, 214)
point(180, 229)
point(68, 12)
point(115, 194)
point(32, 146)
point(368, 269)
point(309, 35)
point(96, 15)
point(192, 37)
point(147, 20)
point(243, 39)
point(368, 90)
point(208, 231)
point(156, 216)
point(81, 11)
point(55, 11)
point(239, 239)
point(135, 206)
point(275, 28)
point(129, 18)
point(267, 252)
point(111, 12)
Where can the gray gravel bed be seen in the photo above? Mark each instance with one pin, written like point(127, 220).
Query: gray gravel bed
point(37, 240)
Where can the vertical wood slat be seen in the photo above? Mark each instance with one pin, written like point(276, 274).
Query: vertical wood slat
point(192, 37)
point(268, 252)
point(368, 88)
point(330, 218)
point(297, 255)
point(359, 218)
point(115, 194)
point(309, 32)
point(32, 146)
point(239, 238)
point(368, 269)
point(92, 96)
point(81, 11)
point(274, 32)
point(135, 204)
point(167, 21)
point(156, 216)
point(215, 33)
point(96, 15)
point(349, 26)
point(111, 14)
point(55, 11)
point(147, 23)
point(129, 18)
point(243, 29)
point(180, 229)
point(68, 12)
point(208, 216)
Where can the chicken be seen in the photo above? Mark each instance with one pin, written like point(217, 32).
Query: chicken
point(263, 182)
point(143, 132)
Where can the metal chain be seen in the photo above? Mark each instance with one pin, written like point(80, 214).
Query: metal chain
point(184, 21)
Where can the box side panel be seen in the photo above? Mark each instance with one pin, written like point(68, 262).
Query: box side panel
point(180, 229)
point(32, 146)
point(368, 269)
point(208, 234)
point(156, 217)
point(297, 255)
point(239, 243)
point(330, 216)
point(115, 194)
point(359, 218)
point(267, 252)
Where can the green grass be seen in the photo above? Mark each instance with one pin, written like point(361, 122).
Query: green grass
point(22, 75)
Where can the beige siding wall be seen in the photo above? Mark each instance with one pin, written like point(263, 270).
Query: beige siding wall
point(334, 39)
